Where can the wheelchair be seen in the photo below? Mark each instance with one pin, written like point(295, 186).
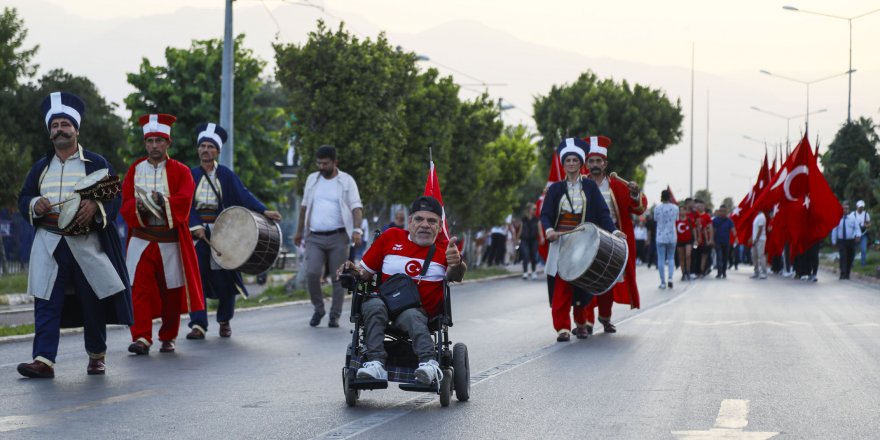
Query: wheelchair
point(402, 361)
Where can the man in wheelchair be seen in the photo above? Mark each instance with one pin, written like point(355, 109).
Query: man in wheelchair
point(404, 251)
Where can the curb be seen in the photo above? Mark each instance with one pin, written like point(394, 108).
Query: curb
point(14, 299)
point(16, 338)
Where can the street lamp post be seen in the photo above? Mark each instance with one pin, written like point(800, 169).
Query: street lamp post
point(807, 84)
point(850, 70)
point(787, 120)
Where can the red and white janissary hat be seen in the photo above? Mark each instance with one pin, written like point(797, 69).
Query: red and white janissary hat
point(157, 125)
point(598, 146)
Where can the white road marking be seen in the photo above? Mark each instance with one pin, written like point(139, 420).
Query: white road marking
point(14, 423)
point(367, 423)
point(732, 419)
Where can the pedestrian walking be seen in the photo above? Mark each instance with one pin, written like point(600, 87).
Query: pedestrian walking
point(217, 188)
point(759, 240)
point(162, 262)
point(61, 257)
point(863, 220)
point(528, 241)
point(722, 227)
point(845, 235)
point(665, 214)
point(329, 222)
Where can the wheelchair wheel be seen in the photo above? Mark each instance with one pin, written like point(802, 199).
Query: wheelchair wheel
point(462, 372)
point(446, 387)
point(351, 395)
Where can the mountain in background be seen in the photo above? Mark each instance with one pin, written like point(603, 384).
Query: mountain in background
point(106, 50)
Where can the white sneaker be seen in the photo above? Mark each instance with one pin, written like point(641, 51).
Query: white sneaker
point(534, 276)
point(372, 370)
point(662, 285)
point(428, 372)
point(525, 275)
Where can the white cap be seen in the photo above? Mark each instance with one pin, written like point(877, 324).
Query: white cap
point(860, 204)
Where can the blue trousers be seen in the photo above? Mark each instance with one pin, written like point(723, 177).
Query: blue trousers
point(220, 284)
point(47, 313)
point(863, 248)
point(665, 255)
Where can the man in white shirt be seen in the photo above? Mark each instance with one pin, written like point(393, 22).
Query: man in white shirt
point(863, 220)
point(759, 239)
point(845, 235)
point(328, 223)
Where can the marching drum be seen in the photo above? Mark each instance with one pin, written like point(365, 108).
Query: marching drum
point(67, 217)
point(245, 241)
point(99, 186)
point(591, 258)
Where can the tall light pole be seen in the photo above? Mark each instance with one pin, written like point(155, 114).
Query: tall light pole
point(787, 120)
point(850, 70)
point(692, 122)
point(226, 89)
point(807, 84)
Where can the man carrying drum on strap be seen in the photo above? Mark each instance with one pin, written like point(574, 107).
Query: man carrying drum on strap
point(624, 199)
point(217, 188)
point(59, 262)
point(156, 201)
point(567, 204)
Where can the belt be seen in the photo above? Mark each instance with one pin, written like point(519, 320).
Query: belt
point(156, 234)
point(335, 231)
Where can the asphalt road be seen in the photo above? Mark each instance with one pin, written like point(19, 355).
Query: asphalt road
point(710, 359)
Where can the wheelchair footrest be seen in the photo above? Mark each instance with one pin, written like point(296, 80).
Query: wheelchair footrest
point(368, 384)
point(419, 387)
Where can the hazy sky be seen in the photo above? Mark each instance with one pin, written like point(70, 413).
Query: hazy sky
point(642, 41)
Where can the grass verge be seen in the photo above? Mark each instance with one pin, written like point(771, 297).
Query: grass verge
point(16, 283)
point(15, 330)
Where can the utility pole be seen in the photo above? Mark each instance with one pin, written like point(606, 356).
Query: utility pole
point(707, 139)
point(226, 89)
point(692, 121)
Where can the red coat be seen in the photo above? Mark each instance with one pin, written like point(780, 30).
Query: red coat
point(623, 205)
point(177, 208)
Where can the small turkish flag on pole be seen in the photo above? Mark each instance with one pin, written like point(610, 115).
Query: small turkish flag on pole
point(432, 188)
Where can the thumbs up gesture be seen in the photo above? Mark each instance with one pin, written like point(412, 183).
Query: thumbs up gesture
point(453, 256)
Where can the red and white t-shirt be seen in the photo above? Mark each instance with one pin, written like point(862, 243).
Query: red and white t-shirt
point(393, 252)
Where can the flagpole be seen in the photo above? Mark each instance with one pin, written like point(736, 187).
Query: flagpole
point(692, 121)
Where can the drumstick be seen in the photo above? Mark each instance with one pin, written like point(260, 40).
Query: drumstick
point(62, 202)
point(205, 239)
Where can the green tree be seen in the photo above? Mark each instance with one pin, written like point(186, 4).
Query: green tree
point(15, 60)
point(14, 171)
point(508, 159)
point(188, 86)
point(853, 143)
point(478, 124)
point(349, 93)
point(639, 120)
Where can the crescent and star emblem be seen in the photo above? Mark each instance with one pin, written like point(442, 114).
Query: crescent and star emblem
point(800, 169)
point(680, 227)
point(413, 268)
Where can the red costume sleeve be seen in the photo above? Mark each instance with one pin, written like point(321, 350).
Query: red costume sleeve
point(129, 206)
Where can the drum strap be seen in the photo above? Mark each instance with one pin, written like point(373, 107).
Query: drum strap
point(213, 188)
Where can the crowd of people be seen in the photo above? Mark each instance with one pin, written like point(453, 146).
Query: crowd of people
point(169, 208)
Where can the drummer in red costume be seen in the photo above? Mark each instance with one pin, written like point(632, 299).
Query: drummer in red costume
point(567, 204)
point(624, 199)
point(162, 265)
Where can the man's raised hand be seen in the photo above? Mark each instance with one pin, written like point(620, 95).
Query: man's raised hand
point(453, 256)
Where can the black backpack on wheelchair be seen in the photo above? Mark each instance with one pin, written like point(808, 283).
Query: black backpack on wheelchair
point(402, 362)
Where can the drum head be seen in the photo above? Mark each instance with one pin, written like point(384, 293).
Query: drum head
point(577, 250)
point(235, 237)
point(68, 211)
point(91, 180)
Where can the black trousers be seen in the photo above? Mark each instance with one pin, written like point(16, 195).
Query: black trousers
point(847, 250)
point(528, 249)
point(722, 252)
point(497, 249)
